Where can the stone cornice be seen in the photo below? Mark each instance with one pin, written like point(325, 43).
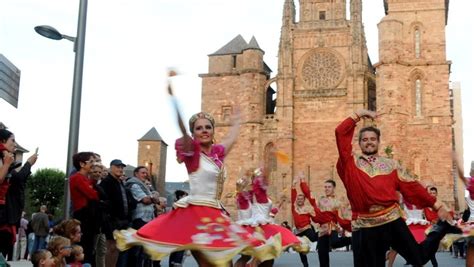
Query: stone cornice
point(320, 93)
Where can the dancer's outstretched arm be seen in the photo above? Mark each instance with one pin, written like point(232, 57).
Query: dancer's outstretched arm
point(231, 137)
point(185, 143)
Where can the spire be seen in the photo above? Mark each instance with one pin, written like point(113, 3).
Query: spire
point(235, 46)
point(253, 44)
point(289, 12)
point(151, 135)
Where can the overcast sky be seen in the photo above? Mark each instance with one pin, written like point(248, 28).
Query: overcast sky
point(129, 46)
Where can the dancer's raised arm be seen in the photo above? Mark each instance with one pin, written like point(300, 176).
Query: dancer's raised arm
point(231, 137)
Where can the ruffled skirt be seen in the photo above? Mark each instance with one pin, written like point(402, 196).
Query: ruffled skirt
point(201, 228)
point(288, 239)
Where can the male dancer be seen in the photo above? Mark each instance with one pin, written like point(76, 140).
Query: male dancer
point(372, 182)
point(303, 214)
point(328, 232)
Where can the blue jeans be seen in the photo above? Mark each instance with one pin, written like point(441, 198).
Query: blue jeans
point(39, 243)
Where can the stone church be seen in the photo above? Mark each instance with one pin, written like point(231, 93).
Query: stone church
point(324, 73)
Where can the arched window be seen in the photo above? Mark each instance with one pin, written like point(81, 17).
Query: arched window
point(417, 43)
point(418, 98)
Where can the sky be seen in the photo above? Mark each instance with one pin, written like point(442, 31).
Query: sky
point(129, 47)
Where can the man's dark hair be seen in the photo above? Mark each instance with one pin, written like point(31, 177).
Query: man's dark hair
point(81, 157)
point(178, 194)
point(369, 129)
point(137, 169)
point(331, 181)
point(433, 188)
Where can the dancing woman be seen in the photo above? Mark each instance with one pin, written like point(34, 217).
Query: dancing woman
point(255, 215)
point(199, 223)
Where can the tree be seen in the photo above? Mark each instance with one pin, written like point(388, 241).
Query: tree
point(46, 187)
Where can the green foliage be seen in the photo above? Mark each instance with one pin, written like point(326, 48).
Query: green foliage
point(46, 187)
point(389, 151)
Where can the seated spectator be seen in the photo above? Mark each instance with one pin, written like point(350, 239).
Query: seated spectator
point(70, 229)
point(60, 248)
point(42, 258)
point(76, 257)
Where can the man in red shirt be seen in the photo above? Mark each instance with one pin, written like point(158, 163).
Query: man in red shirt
point(372, 182)
point(303, 213)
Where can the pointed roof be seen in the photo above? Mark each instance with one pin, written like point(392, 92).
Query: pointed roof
point(151, 135)
point(235, 46)
point(253, 44)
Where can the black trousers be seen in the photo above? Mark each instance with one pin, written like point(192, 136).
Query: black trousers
point(328, 242)
point(176, 258)
point(313, 237)
point(357, 249)
point(371, 244)
point(89, 230)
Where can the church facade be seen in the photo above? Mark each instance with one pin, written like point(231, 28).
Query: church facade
point(324, 73)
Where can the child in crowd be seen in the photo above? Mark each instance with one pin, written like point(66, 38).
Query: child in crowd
point(60, 247)
point(76, 257)
point(42, 258)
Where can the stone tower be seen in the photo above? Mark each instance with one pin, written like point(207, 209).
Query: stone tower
point(236, 79)
point(152, 154)
point(324, 73)
point(413, 89)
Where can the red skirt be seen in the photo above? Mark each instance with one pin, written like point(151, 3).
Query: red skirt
point(288, 239)
point(418, 231)
point(200, 228)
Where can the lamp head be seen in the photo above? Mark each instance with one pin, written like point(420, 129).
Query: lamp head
point(48, 32)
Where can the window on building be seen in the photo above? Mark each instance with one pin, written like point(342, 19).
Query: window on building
point(234, 61)
point(417, 43)
point(322, 15)
point(418, 107)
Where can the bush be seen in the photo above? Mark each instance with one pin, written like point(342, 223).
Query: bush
point(46, 187)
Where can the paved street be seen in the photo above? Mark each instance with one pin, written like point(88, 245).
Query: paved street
point(338, 259)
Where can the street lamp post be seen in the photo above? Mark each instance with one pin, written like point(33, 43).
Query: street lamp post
point(75, 115)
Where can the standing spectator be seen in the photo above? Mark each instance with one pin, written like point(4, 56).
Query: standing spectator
point(161, 206)
point(117, 213)
point(100, 246)
point(12, 191)
point(40, 225)
point(144, 210)
point(22, 240)
point(84, 200)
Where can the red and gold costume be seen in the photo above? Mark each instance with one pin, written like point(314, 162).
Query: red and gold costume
point(198, 221)
point(328, 203)
point(254, 209)
point(372, 183)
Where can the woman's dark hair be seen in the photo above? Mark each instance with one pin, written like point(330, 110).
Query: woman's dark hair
point(4, 135)
point(179, 194)
point(81, 157)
